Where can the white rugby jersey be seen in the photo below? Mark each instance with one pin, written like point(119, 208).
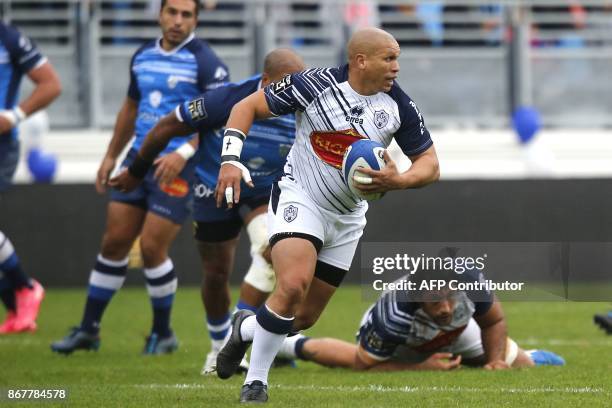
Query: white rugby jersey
point(330, 116)
point(397, 319)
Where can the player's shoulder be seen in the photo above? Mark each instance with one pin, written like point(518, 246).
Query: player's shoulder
point(239, 90)
point(147, 45)
point(9, 34)
point(201, 49)
point(404, 102)
point(324, 75)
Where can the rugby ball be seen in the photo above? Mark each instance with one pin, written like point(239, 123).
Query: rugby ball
point(362, 154)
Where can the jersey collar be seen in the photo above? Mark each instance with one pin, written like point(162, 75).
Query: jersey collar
point(175, 49)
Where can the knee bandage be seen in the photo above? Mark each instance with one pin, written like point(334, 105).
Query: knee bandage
point(260, 274)
point(511, 351)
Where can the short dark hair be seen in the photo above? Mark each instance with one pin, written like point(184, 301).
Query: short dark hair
point(197, 3)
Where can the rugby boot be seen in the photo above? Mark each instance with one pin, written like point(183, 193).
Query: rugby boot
point(254, 393)
point(156, 345)
point(77, 339)
point(230, 356)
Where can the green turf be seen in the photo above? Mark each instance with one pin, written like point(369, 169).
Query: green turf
point(118, 376)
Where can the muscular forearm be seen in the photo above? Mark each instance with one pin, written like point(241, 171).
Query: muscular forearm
point(423, 171)
point(248, 110)
point(158, 138)
point(494, 341)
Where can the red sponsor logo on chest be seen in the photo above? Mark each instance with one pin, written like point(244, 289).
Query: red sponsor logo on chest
point(443, 339)
point(331, 146)
point(177, 188)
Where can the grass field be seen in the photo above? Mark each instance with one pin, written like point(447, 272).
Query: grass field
point(118, 376)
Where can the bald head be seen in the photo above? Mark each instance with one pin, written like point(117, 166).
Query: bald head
point(280, 62)
point(368, 41)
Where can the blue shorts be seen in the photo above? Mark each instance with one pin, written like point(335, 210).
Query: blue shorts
point(172, 202)
point(214, 224)
point(9, 158)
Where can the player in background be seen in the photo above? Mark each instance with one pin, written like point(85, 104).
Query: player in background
point(429, 329)
point(217, 230)
point(19, 56)
point(163, 73)
point(604, 321)
point(315, 220)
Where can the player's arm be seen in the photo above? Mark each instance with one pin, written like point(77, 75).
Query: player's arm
point(122, 133)
point(154, 143)
point(437, 361)
point(168, 167)
point(241, 118)
point(494, 332)
point(425, 169)
point(47, 88)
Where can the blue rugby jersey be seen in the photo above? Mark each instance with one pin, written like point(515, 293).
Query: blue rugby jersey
point(18, 55)
point(265, 149)
point(159, 80)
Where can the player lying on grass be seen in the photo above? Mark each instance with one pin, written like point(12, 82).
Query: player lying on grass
point(426, 330)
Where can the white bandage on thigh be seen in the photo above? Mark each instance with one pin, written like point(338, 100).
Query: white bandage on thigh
point(511, 351)
point(260, 274)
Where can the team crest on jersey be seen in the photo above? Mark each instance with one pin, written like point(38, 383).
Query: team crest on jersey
point(196, 109)
point(290, 213)
point(331, 146)
point(381, 118)
point(155, 98)
point(220, 73)
point(177, 188)
point(282, 85)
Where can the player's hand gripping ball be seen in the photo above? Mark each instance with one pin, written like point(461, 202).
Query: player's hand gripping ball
point(364, 153)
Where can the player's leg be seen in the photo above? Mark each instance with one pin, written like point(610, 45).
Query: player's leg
point(157, 236)
point(469, 346)
point(294, 261)
point(259, 280)
point(329, 352)
point(604, 320)
point(123, 224)
point(20, 295)
point(217, 262)
point(216, 233)
point(168, 206)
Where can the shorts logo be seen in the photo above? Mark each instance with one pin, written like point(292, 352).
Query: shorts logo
point(290, 213)
point(196, 110)
point(381, 118)
point(177, 188)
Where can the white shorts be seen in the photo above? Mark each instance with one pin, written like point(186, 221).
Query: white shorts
point(296, 212)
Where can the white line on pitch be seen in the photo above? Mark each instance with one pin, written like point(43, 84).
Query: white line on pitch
point(386, 389)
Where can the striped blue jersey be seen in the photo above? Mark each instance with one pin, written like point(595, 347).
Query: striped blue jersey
point(265, 149)
point(160, 80)
point(330, 115)
point(18, 55)
point(397, 319)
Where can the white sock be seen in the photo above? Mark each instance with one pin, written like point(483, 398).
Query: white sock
point(265, 346)
point(287, 350)
point(247, 328)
